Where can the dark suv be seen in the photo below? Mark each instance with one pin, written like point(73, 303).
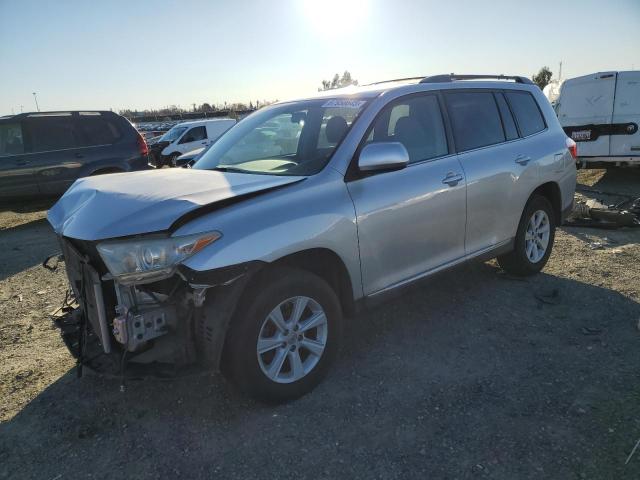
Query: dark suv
point(44, 153)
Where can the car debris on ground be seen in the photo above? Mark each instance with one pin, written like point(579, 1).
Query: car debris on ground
point(596, 214)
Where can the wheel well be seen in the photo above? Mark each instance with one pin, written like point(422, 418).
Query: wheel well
point(327, 265)
point(104, 171)
point(551, 191)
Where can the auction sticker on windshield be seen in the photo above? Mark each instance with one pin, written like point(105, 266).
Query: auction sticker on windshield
point(336, 103)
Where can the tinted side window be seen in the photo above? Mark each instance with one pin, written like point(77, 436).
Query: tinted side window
point(95, 130)
point(507, 119)
point(526, 111)
point(51, 133)
point(475, 119)
point(11, 142)
point(416, 122)
point(195, 134)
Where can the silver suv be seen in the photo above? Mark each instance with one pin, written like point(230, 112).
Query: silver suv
point(301, 214)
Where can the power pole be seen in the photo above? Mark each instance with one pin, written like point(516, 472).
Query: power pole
point(560, 72)
point(35, 97)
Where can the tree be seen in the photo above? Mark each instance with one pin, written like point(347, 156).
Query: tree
point(338, 82)
point(205, 107)
point(542, 78)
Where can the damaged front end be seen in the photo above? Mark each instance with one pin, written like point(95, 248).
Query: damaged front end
point(134, 324)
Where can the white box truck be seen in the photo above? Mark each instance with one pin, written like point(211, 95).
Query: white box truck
point(601, 112)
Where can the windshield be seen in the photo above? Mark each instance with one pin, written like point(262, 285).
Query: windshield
point(292, 139)
point(172, 134)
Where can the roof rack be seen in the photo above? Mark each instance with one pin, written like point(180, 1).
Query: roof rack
point(452, 77)
point(394, 80)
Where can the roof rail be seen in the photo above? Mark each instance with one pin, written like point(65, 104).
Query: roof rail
point(393, 80)
point(452, 77)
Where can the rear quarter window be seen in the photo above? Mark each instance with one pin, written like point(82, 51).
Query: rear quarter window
point(95, 130)
point(475, 119)
point(526, 111)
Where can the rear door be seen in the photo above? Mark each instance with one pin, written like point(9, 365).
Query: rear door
point(625, 138)
point(585, 108)
point(53, 145)
point(16, 174)
point(410, 221)
point(500, 166)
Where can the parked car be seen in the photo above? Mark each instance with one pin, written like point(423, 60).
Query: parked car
point(601, 112)
point(250, 260)
point(187, 136)
point(43, 153)
point(189, 158)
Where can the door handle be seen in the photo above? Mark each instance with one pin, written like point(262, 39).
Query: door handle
point(22, 162)
point(204, 143)
point(79, 155)
point(523, 159)
point(452, 179)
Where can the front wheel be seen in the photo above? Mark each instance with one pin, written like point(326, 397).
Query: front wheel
point(284, 336)
point(534, 239)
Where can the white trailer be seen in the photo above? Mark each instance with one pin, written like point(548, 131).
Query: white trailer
point(601, 112)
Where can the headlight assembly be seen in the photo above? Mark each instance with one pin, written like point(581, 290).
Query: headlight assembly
point(143, 260)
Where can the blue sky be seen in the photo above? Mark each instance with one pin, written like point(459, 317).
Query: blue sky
point(148, 54)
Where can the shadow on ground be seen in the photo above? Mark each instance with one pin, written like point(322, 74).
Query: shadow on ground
point(470, 375)
point(25, 246)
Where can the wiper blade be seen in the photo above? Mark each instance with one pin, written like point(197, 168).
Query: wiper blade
point(221, 168)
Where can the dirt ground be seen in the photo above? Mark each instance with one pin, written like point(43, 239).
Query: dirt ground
point(473, 374)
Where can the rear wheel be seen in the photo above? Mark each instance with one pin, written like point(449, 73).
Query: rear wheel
point(534, 239)
point(282, 342)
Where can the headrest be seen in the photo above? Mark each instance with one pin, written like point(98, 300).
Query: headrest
point(336, 126)
point(407, 129)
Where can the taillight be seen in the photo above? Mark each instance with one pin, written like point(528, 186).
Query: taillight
point(142, 145)
point(572, 147)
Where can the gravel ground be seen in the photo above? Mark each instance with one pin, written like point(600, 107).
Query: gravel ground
point(472, 374)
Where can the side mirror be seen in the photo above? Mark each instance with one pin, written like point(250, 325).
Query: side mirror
point(383, 156)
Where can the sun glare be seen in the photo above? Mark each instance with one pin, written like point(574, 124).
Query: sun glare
point(335, 17)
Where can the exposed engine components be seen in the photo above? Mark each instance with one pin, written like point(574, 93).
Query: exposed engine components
point(133, 327)
point(141, 316)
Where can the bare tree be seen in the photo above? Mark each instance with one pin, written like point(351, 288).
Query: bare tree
point(338, 82)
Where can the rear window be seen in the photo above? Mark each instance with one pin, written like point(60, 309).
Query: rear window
point(96, 130)
point(475, 119)
point(49, 133)
point(526, 112)
point(11, 142)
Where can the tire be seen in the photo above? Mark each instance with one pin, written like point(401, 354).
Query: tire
point(172, 160)
point(248, 370)
point(526, 258)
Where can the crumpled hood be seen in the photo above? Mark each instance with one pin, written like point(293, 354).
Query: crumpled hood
point(122, 204)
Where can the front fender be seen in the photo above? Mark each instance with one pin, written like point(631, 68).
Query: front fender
point(317, 213)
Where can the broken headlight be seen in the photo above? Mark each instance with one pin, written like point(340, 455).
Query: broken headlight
point(148, 260)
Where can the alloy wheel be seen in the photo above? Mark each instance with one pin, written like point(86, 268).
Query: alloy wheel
point(292, 339)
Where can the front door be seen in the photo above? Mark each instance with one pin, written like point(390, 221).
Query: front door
point(16, 174)
point(195, 137)
point(412, 220)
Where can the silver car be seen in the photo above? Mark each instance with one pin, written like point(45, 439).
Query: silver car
point(300, 215)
